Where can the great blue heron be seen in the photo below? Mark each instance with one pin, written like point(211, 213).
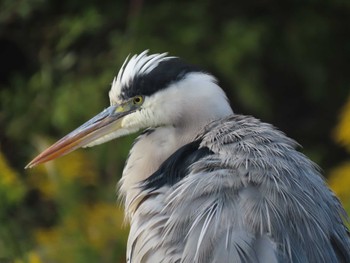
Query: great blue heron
point(202, 184)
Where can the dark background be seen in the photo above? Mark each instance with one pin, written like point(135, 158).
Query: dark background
point(285, 62)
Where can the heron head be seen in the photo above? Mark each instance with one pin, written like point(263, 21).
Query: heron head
point(149, 91)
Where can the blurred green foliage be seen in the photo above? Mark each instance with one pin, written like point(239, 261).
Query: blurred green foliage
point(284, 62)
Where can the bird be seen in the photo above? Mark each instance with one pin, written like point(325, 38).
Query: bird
point(204, 184)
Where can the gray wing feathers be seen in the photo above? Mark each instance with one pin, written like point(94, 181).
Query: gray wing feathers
point(256, 199)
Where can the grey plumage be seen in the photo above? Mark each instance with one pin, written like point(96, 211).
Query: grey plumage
point(255, 199)
point(204, 185)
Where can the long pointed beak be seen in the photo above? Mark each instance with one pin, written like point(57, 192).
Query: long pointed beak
point(101, 125)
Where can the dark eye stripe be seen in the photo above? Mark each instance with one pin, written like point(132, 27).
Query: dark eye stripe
point(167, 72)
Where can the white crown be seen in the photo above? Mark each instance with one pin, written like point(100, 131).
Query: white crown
point(141, 64)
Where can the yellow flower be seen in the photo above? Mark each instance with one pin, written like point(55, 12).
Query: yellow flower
point(339, 181)
point(48, 236)
point(342, 131)
point(31, 257)
point(11, 187)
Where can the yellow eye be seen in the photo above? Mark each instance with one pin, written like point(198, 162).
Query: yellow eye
point(138, 100)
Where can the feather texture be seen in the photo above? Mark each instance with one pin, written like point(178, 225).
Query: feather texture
point(254, 198)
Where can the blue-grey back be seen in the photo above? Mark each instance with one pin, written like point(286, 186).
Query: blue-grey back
point(239, 193)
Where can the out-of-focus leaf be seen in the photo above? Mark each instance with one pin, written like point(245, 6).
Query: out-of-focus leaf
point(20, 8)
point(73, 27)
point(54, 177)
